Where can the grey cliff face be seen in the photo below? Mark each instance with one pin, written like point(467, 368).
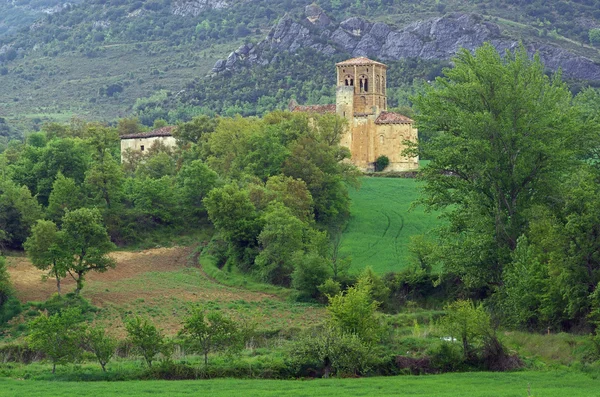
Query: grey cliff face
point(195, 7)
point(436, 38)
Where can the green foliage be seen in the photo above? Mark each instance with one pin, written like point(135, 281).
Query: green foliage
point(311, 276)
point(5, 287)
point(145, 338)
point(334, 352)
point(510, 136)
point(468, 324)
point(594, 36)
point(195, 180)
point(354, 312)
point(18, 212)
point(281, 237)
point(86, 244)
point(101, 344)
point(212, 332)
point(45, 248)
point(58, 336)
point(65, 196)
point(381, 163)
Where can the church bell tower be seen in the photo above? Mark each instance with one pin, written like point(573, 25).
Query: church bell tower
point(361, 87)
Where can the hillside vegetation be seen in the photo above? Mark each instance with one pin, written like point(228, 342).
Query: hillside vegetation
point(94, 60)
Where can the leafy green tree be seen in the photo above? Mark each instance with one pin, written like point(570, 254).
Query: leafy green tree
point(18, 212)
point(281, 236)
point(195, 180)
point(195, 130)
point(504, 132)
point(594, 36)
point(467, 323)
point(46, 251)
point(355, 312)
point(211, 332)
point(86, 243)
point(235, 217)
point(5, 287)
point(57, 336)
point(335, 351)
point(146, 339)
point(101, 344)
point(311, 270)
point(65, 196)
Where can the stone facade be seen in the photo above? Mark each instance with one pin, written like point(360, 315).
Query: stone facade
point(144, 141)
point(372, 131)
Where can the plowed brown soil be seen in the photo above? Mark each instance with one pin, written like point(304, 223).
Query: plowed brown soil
point(30, 285)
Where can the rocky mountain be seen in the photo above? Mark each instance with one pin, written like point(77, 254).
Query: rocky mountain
point(436, 38)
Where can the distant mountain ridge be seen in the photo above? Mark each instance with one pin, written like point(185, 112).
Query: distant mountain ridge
point(435, 38)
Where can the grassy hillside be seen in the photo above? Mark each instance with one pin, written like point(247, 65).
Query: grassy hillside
point(382, 223)
point(546, 384)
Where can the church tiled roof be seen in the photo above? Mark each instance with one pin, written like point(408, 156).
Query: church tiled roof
point(392, 118)
point(360, 61)
point(322, 109)
point(164, 131)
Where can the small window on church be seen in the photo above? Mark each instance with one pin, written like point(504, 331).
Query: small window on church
point(381, 139)
point(142, 148)
point(366, 85)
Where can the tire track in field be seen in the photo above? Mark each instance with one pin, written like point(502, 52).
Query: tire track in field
point(396, 248)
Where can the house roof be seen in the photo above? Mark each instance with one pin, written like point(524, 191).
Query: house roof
point(322, 109)
point(164, 131)
point(360, 61)
point(392, 118)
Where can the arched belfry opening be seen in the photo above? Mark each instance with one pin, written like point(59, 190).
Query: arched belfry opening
point(367, 79)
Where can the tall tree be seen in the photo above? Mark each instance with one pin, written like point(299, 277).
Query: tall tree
point(86, 243)
point(45, 250)
point(503, 132)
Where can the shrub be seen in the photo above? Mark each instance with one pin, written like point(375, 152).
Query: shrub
point(102, 345)
point(446, 357)
point(58, 336)
point(381, 163)
point(145, 338)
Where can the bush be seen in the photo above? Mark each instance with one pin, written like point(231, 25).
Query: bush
point(331, 351)
point(381, 163)
point(146, 339)
point(446, 357)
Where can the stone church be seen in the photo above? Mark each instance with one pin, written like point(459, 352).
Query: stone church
point(373, 131)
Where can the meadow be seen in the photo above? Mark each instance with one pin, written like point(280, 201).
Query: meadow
point(538, 384)
point(382, 223)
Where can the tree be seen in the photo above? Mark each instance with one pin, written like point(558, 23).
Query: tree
point(5, 287)
point(235, 217)
point(594, 36)
point(86, 243)
point(146, 339)
point(311, 270)
point(354, 312)
point(101, 344)
point(65, 196)
point(211, 332)
point(195, 180)
point(467, 323)
point(195, 130)
point(503, 133)
point(57, 336)
point(45, 249)
point(281, 236)
point(18, 212)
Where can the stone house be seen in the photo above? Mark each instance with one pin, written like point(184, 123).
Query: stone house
point(361, 99)
point(144, 140)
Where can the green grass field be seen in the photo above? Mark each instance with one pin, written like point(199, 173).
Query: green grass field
point(539, 384)
point(381, 224)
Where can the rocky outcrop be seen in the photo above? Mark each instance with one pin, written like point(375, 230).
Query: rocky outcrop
point(195, 7)
point(436, 38)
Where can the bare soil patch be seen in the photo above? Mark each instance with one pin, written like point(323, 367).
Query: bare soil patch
point(29, 283)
